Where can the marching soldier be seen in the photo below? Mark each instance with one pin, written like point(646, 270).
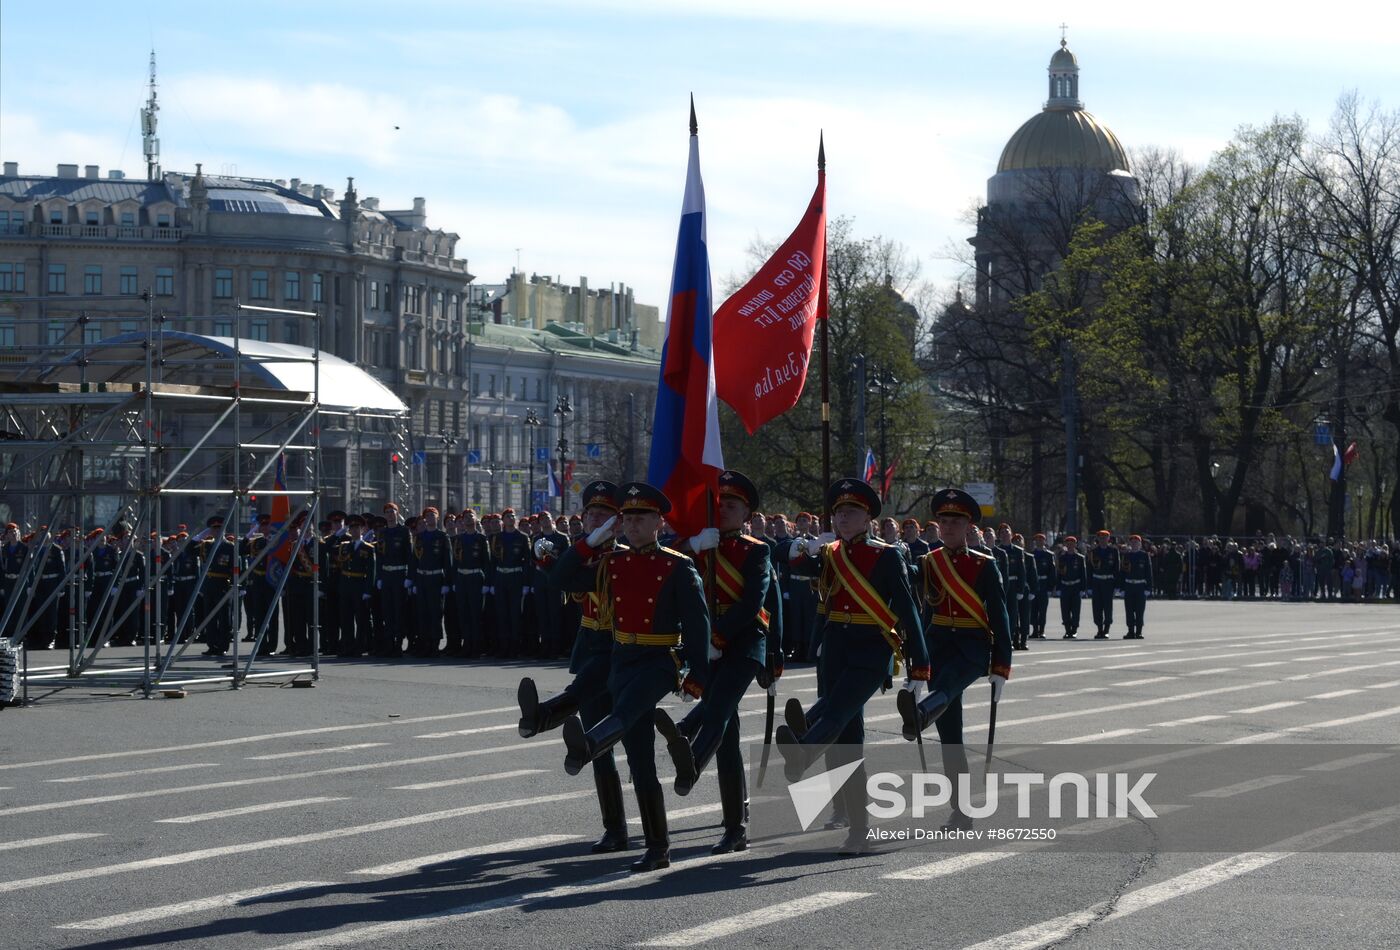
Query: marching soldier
point(47, 628)
point(394, 543)
point(1043, 563)
point(356, 572)
point(800, 620)
point(471, 560)
point(590, 663)
point(969, 634)
point(1073, 576)
point(548, 600)
point(222, 559)
point(1137, 581)
point(1013, 559)
point(746, 641)
point(430, 576)
point(1103, 578)
point(510, 555)
point(651, 597)
point(13, 554)
point(865, 594)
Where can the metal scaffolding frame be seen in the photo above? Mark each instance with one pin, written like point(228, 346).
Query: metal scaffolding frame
point(62, 420)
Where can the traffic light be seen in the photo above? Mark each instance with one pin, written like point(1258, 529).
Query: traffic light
point(395, 458)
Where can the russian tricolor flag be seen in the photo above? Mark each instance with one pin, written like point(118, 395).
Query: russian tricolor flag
point(685, 452)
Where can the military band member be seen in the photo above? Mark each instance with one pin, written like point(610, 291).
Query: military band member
point(652, 598)
point(13, 555)
point(1104, 570)
point(261, 600)
point(1043, 563)
point(395, 550)
point(101, 575)
point(356, 570)
point(864, 587)
point(745, 642)
point(590, 663)
point(331, 536)
point(1073, 576)
point(1137, 581)
point(49, 628)
point(471, 560)
point(301, 580)
point(221, 556)
point(430, 578)
point(510, 556)
point(969, 635)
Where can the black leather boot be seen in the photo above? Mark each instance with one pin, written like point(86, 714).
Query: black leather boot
point(919, 716)
point(614, 818)
point(538, 715)
point(679, 749)
point(795, 755)
point(732, 792)
point(652, 805)
point(585, 746)
point(852, 794)
point(795, 718)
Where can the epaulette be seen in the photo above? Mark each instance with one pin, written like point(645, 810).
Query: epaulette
point(673, 552)
point(975, 553)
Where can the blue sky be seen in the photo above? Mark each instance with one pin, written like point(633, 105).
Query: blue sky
point(560, 128)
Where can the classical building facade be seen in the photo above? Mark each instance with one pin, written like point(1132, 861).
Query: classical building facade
point(80, 252)
point(613, 313)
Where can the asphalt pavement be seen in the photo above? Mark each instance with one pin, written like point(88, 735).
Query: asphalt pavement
point(395, 805)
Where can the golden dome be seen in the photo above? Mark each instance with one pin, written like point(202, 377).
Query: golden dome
point(1063, 138)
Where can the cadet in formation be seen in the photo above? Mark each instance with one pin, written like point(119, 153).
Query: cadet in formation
point(1103, 578)
point(1137, 581)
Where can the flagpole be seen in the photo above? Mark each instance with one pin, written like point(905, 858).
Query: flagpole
point(710, 601)
point(826, 346)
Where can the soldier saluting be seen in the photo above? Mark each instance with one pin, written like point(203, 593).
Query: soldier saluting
point(864, 587)
point(969, 634)
point(651, 597)
point(745, 641)
point(590, 663)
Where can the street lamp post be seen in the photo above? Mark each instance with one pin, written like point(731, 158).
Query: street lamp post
point(563, 410)
point(448, 442)
point(532, 422)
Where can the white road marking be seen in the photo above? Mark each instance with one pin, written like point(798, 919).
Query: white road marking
point(287, 841)
point(1053, 931)
point(48, 839)
point(1335, 694)
point(267, 779)
point(1187, 722)
point(467, 732)
point(1389, 685)
point(691, 812)
point(1348, 762)
point(1097, 737)
point(469, 780)
point(409, 865)
point(245, 810)
point(1267, 707)
point(1326, 724)
point(1240, 788)
point(1157, 679)
point(945, 866)
point(244, 740)
point(763, 917)
point(164, 911)
point(298, 754)
point(164, 768)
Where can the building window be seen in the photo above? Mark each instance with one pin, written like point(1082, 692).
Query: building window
point(58, 278)
point(7, 332)
point(223, 283)
point(11, 222)
point(523, 382)
point(492, 384)
point(476, 384)
point(258, 330)
point(127, 281)
point(57, 331)
point(128, 219)
point(163, 219)
point(539, 390)
point(257, 285)
point(92, 218)
point(291, 332)
point(165, 281)
point(92, 279)
point(55, 216)
point(318, 293)
point(128, 326)
point(92, 333)
point(291, 285)
point(223, 326)
point(438, 309)
point(374, 295)
point(12, 277)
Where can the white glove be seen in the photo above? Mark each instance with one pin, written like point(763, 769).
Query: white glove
point(379, 585)
point(686, 697)
point(602, 533)
point(706, 540)
point(773, 688)
point(408, 585)
point(816, 544)
point(544, 547)
point(714, 652)
point(488, 590)
point(998, 684)
point(446, 589)
point(526, 590)
point(201, 536)
point(798, 549)
point(819, 650)
point(918, 688)
point(364, 596)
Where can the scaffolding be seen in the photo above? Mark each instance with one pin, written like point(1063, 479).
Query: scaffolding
point(90, 436)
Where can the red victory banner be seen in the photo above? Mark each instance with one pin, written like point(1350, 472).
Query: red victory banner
point(763, 334)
